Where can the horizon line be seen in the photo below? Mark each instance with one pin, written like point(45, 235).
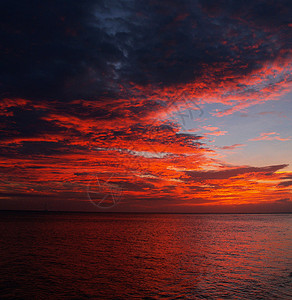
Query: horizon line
point(139, 212)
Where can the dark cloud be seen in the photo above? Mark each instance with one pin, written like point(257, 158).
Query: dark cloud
point(287, 177)
point(153, 135)
point(284, 200)
point(271, 14)
point(26, 122)
point(73, 49)
point(22, 195)
point(286, 183)
point(60, 51)
point(54, 49)
point(43, 148)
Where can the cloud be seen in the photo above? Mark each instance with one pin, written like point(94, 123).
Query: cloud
point(270, 136)
point(232, 147)
point(284, 200)
point(288, 176)
point(217, 133)
point(232, 172)
point(210, 128)
point(88, 49)
point(87, 75)
point(286, 183)
point(20, 195)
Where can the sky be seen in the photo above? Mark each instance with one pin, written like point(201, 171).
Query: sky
point(146, 106)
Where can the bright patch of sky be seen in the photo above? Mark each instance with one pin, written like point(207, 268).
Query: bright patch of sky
point(273, 118)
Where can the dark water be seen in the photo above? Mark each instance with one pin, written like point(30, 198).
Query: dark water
point(145, 256)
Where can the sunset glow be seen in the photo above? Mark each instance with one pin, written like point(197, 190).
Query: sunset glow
point(180, 108)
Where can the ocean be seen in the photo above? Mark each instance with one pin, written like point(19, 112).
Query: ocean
point(145, 256)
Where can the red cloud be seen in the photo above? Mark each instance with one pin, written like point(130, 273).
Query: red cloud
point(146, 159)
point(150, 158)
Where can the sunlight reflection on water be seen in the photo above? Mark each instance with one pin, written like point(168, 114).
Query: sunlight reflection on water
point(145, 256)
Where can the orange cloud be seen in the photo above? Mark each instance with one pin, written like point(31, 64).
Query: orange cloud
point(217, 133)
point(210, 128)
point(270, 136)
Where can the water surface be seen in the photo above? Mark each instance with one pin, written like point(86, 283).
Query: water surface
point(145, 256)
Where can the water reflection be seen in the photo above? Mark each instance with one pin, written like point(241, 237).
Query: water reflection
point(124, 256)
